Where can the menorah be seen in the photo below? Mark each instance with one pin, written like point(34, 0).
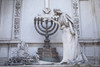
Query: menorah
point(46, 27)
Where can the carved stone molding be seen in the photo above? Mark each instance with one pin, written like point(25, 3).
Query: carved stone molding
point(17, 15)
point(76, 16)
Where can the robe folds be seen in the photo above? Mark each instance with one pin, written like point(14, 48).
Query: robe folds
point(71, 48)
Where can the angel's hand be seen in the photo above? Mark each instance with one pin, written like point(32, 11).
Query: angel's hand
point(73, 33)
point(51, 19)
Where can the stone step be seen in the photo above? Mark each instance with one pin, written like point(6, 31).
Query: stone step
point(48, 54)
point(50, 66)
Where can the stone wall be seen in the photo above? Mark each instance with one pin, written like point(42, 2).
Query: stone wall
point(17, 24)
point(6, 14)
point(90, 49)
point(17, 20)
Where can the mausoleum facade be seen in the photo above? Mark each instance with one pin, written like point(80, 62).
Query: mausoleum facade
point(17, 24)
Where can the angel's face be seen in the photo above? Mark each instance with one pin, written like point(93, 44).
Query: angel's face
point(55, 13)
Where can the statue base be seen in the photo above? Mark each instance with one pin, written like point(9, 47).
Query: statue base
point(48, 54)
point(52, 66)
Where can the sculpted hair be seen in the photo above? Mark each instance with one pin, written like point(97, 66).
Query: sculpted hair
point(57, 11)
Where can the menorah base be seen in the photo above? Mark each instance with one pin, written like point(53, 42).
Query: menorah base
point(48, 54)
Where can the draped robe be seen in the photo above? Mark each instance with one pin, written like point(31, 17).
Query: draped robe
point(71, 48)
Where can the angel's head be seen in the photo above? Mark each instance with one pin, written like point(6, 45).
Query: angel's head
point(57, 12)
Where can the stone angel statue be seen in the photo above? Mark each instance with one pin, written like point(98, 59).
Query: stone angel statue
point(71, 48)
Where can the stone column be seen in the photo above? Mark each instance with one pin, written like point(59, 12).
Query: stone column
point(76, 15)
point(17, 19)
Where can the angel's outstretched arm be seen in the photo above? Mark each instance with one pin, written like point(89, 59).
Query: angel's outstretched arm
point(56, 22)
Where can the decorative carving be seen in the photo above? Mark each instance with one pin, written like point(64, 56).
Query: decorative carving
point(21, 56)
point(46, 10)
point(17, 14)
point(75, 6)
point(18, 8)
point(76, 19)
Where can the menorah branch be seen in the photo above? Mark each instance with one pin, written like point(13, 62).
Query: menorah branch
point(47, 29)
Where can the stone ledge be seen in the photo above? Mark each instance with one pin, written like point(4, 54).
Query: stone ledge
point(80, 40)
point(51, 66)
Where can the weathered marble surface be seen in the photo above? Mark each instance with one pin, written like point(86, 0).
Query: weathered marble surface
point(89, 27)
point(50, 66)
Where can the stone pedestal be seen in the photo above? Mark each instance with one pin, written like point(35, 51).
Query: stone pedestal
point(48, 54)
point(52, 66)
